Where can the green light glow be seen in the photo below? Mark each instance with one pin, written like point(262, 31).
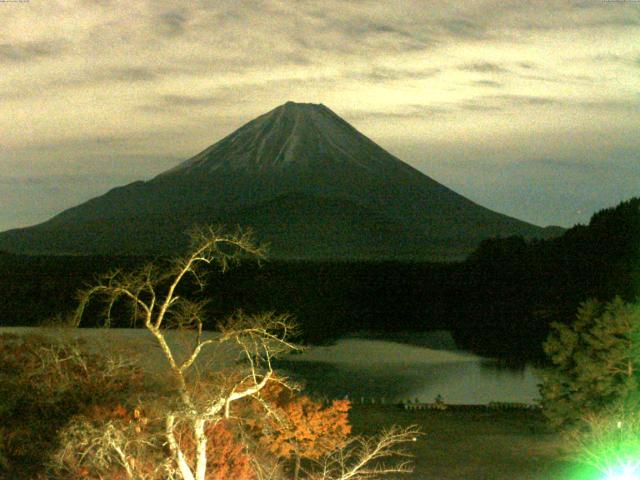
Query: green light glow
point(610, 448)
point(630, 471)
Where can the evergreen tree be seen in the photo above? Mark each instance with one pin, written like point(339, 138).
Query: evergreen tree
point(595, 362)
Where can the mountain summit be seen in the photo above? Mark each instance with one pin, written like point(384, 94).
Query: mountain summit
point(307, 182)
point(305, 135)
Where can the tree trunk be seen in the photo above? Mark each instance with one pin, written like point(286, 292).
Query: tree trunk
point(201, 448)
point(183, 467)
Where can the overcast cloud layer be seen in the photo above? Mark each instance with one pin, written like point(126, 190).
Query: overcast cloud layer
point(529, 108)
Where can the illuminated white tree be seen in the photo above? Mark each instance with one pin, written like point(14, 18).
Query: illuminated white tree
point(256, 340)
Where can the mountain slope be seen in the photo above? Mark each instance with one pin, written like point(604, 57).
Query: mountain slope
point(295, 173)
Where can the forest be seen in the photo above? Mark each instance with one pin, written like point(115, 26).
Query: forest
point(499, 302)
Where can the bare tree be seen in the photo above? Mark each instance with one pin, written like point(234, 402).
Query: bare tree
point(153, 294)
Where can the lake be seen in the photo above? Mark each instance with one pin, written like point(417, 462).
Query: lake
point(399, 371)
point(411, 367)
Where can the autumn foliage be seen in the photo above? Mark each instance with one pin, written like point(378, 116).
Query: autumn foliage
point(58, 401)
point(301, 426)
point(227, 457)
point(43, 385)
point(217, 411)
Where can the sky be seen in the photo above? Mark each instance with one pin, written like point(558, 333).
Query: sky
point(530, 108)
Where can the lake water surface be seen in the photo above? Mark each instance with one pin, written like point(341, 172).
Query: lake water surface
point(373, 368)
point(413, 367)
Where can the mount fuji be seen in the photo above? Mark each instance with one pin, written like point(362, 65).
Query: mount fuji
point(304, 179)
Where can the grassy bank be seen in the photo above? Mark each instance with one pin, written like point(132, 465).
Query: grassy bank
point(472, 444)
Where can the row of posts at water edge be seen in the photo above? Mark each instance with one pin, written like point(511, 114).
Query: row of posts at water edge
point(439, 404)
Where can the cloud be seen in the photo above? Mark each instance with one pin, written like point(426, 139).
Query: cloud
point(189, 100)
point(478, 106)
point(550, 15)
point(619, 21)
point(100, 3)
point(487, 83)
point(158, 78)
point(510, 101)
point(129, 74)
point(21, 52)
point(52, 181)
point(504, 102)
point(351, 29)
point(120, 74)
point(386, 74)
point(172, 24)
point(403, 112)
point(609, 105)
point(466, 29)
point(482, 67)
point(520, 100)
point(170, 103)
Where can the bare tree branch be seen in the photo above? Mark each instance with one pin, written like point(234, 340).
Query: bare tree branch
point(366, 458)
point(255, 341)
point(259, 337)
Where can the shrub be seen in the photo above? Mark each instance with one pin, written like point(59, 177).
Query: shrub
point(43, 384)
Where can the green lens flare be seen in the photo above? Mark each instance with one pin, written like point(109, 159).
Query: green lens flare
point(610, 451)
point(630, 471)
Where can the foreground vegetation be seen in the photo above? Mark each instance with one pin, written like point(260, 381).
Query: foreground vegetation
point(474, 444)
point(69, 414)
point(591, 391)
point(66, 413)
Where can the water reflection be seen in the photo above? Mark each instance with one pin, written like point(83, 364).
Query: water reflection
point(502, 365)
point(339, 381)
point(399, 372)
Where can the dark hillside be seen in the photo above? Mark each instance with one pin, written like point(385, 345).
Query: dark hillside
point(500, 302)
point(516, 288)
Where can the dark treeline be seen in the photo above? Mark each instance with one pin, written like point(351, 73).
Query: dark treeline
point(35, 289)
point(499, 302)
point(327, 299)
point(517, 288)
